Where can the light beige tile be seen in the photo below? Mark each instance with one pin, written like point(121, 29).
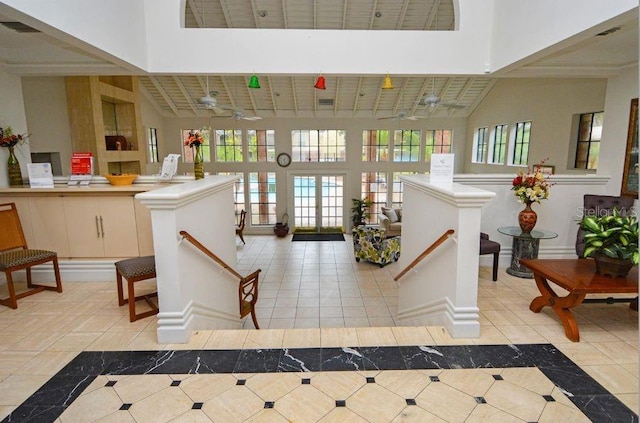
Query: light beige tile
point(161, 406)
point(46, 363)
point(614, 378)
point(269, 338)
point(446, 402)
point(338, 337)
point(470, 381)
point(305, 403)
point(97, 404)
point(412, 335)
point(555, 412)
point(515, 400)
point(301, 338)
point(15, 389)
point(375, 337)
point(233, 405)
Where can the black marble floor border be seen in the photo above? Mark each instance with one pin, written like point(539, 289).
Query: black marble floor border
point(50, 401)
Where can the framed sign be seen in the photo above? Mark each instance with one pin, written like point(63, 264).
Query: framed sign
point(630, 174)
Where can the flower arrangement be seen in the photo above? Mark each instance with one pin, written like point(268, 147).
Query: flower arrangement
point(532, 186)
point(9, 139)
point(194, 139)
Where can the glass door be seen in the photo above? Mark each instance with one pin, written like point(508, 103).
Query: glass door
point(318, 203)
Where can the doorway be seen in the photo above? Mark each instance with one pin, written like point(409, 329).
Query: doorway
point(318, 203)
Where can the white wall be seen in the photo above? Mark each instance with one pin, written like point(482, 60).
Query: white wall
point(45, 105)
point(12, 114)
point(620, 91)
point(550, 104)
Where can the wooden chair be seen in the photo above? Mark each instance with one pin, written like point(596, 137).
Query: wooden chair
point(248, 294)
point(134, 270)
point(15, 255)
point(240, 226)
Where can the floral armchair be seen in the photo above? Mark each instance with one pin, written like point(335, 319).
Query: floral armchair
point(370, 244)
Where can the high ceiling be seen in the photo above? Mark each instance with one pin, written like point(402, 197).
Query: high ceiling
point(345, 96)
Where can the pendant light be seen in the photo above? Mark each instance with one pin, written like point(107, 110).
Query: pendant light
point(320, 83)
point(253, 82)
point(387, 84)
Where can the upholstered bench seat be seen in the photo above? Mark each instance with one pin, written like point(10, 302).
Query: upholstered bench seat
point(134, 270)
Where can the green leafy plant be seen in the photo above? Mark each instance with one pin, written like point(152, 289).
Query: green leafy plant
point(360, 210)
point(613, 235)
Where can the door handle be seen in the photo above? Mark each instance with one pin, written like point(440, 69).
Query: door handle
point(102, 226)
point(97, 228)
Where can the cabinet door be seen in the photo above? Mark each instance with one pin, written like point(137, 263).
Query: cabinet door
point(145, 231)
point(119, 227)
point(82, 215)
point(49, 225)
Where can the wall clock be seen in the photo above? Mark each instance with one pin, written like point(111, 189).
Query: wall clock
point(284, 159)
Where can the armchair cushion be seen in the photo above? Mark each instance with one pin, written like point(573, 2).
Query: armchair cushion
point(370, 244)
point(391, 214)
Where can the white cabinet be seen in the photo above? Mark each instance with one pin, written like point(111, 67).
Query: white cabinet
point(101, 226)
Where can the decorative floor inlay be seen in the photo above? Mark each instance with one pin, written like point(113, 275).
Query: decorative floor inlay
point(524, 382)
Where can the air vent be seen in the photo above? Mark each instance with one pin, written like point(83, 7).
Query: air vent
point(325, 102)
point(19, 27)
point(608, 31)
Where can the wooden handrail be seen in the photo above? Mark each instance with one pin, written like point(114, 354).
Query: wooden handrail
point(425, 253)
point(186, 235)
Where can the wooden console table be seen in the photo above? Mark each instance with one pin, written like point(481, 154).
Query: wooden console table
point(579, 277)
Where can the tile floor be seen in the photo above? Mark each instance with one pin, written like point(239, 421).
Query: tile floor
point(314, 296)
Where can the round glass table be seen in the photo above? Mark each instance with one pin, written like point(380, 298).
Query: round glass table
point(524, 246)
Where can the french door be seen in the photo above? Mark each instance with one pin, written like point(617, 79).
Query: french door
point(318, 202)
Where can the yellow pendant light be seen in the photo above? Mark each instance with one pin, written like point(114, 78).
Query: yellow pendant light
point(387, 84)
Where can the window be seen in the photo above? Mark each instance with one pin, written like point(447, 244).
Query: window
point(589, 135)
point(262, 145)
point(374, 187)
point(318, 145)
point(375, 145)
point(480, 144)
point(187, 152)
point(406, 145)
point(520, 155)
point(500, 133)
point(152, 145)
point(397, 189)
point(438, 141)
point(238, 193)
point(228, 145)
point(262, 198)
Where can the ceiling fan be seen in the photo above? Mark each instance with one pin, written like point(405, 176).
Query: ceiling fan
point(239, 114)
point(403, 114)
point(433, 100)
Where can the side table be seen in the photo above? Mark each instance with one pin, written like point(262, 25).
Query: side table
point(524, 246)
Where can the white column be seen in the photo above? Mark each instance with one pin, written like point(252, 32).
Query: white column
point(193, 291)
point(443, 288)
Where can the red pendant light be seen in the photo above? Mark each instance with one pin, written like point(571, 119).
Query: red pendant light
point(320, 83)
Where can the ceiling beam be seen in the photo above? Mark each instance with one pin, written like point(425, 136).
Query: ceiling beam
point(433, 16)
point(403, 13)
point(357, 99)
point(295, 97)
point(164, 94)
point(185, 93)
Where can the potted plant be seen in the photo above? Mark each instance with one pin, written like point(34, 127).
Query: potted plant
point(612, 240)
point(360, 210)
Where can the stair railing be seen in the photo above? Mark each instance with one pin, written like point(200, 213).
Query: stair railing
point(186, 235)
point(425, 253)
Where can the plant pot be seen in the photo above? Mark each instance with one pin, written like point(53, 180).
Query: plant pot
point(281, 230)
point(615, 267)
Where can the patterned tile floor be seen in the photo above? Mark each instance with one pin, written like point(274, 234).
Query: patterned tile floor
point(316, 300)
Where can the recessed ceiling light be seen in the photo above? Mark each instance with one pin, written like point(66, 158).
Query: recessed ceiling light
point(263, 13)
point(378, 14)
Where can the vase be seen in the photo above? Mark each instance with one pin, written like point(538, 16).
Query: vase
point(198, 163)
point(527, 218)
point(13, 166)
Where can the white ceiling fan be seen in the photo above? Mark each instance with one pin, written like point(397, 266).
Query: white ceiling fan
point(239, 114)
point(403, 114)
point(433, 100)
